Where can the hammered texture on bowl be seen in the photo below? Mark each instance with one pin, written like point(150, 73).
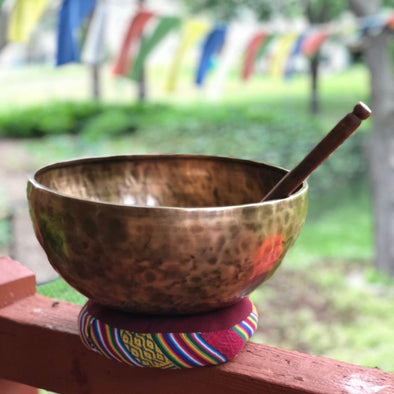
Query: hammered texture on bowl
point(176, 234)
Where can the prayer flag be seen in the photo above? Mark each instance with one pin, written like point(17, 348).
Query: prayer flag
point(265, 46)
point(192, 31)
point(134, 32)
point(313, 42)
point(390, 21)
point(164, 26)
point(372, 24)
point(93, 47)
point(71, 16)
point(23, 19)
point(296, 50)
point(281, 54)
point(251, 52)
point(212, 45)
point(238, 34)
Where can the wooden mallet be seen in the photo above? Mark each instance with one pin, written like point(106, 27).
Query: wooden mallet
point(345, 127)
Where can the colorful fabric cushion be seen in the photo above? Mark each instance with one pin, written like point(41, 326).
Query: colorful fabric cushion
point(168, 342)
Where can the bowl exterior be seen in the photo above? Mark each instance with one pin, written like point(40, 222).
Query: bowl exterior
point(164, 261)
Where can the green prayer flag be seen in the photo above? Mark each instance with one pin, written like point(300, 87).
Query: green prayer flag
point(164, 26)
point(264, 46)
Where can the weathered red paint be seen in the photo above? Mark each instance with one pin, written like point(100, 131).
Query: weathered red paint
point(16, 281)
point(7, 387)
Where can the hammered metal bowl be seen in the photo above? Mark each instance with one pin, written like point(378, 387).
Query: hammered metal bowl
point(164, 234)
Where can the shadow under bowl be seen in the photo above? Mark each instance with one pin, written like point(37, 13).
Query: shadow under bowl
point(164, 234)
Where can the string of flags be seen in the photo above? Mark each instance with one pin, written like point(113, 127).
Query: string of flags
point(81, 31)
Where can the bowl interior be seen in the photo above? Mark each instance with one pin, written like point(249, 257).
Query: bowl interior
point(171, 181)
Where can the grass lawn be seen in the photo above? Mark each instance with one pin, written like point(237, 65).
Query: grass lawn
point(326, 299)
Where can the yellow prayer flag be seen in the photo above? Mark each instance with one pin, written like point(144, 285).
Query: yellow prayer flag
point(192, 31)
point(281, 54)
point(23, 19)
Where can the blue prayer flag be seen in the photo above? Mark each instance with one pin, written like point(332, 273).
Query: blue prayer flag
point(212, 45)
point(71, 15)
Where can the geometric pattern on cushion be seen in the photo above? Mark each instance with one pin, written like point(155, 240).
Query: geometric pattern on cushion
point(171, 349)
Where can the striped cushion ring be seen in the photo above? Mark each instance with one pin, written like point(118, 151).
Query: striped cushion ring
point(168, 342)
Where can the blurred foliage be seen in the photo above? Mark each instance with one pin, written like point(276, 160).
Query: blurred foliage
point(66, 117)
point(60, 290)
point(110, 122)
point(333, 310)
point(339, 223)
point(240, 130)
point(316, 11)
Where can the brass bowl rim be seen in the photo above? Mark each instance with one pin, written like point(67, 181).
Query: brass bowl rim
point(72, 162)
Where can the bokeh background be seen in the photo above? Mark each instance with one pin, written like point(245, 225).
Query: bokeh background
point(258, 80)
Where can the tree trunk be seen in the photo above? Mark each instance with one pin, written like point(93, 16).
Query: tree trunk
point(315, 16)
point(314, 72)
point(381, 148)
point(3, 28)
point(141, 81)
point(95, 71)
point(142, 86)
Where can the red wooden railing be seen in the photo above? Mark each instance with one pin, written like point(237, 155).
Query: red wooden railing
point(40, 347)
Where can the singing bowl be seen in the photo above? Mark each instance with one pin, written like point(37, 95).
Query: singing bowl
point(163, 234)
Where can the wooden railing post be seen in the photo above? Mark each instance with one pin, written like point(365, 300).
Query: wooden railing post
point(16, 282)
point(8, 387)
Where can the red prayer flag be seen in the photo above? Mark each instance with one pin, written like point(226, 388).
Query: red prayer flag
point(134, 32)
point(313, 42)
point(251, 53)
point(390, 21)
